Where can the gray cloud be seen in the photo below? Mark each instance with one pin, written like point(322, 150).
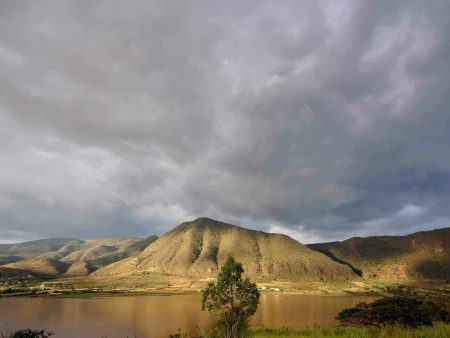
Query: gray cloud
point(320, 119)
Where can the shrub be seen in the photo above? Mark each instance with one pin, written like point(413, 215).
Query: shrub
point(28, 333)
point(396, 311)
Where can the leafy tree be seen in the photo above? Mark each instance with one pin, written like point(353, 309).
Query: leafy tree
point(235, 298)
point(399, 311)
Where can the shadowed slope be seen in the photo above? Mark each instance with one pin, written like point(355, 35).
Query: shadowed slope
point(200, 247)
point(125, 250)
point(43, 266)
point(419, 256)
point(9, 259)
point(8, 274)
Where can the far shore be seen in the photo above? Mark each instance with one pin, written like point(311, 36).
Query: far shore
point(100, 292)
point(134, 285)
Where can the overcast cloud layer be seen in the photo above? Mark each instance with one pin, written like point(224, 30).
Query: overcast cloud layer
point(319, 119)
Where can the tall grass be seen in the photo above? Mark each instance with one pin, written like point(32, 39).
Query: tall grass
point(439, 330)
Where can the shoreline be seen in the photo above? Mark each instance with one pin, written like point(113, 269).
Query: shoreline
point(89, 293)
point(177, 285)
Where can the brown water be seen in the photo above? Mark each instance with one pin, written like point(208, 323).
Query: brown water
point(156, 316)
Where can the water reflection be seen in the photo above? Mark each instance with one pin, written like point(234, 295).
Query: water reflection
point(156, 316)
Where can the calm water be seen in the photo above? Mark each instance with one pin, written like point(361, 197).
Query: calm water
point(156, 316)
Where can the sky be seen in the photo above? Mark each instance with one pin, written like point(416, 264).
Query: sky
point(321, 120)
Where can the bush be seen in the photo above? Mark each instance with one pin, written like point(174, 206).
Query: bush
point(396, 311)
point(28, 333)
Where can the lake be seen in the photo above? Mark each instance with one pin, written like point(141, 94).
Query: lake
point(157, 315)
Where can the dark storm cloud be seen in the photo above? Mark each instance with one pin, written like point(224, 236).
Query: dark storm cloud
point(319, 119)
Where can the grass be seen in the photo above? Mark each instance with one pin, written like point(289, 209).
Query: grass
point(439, 330)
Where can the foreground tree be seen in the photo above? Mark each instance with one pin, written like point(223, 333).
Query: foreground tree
point(235, 298)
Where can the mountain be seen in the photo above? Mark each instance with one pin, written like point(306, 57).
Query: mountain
point(200, 247)
point(197, 249)
point(37, 247)
point(99, 253)
point(420, 256)
point(79, 258)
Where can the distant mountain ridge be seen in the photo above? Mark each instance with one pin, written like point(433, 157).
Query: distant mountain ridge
point(4, 248)
point(74, 257)
point(37, 247)
point(423, 255)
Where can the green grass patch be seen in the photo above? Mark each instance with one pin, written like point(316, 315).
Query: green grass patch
point(439, 330)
